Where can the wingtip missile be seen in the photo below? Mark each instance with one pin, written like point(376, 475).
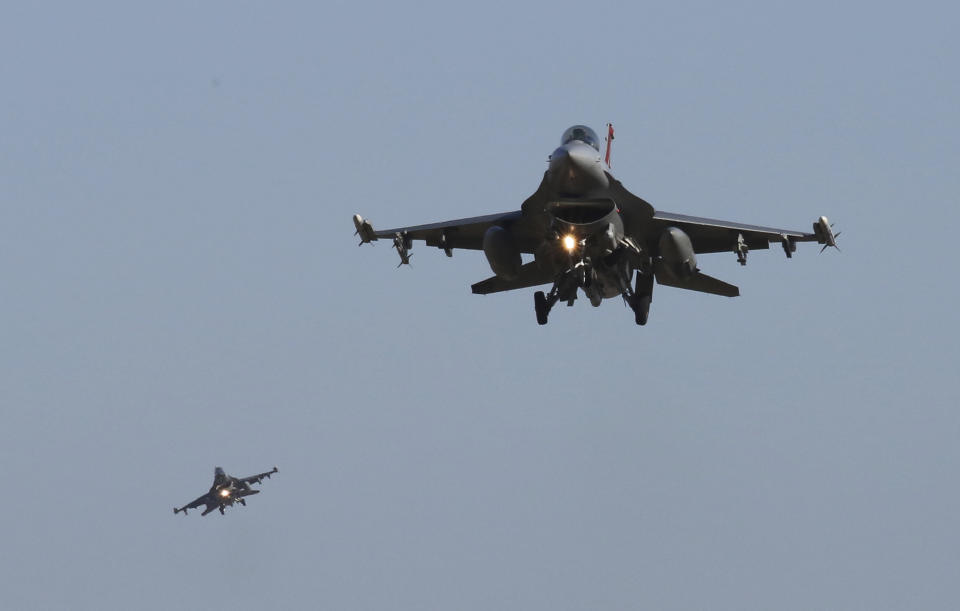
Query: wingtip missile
point(823, 229)
point(364, 230)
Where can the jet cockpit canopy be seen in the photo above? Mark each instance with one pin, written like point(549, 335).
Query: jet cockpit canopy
point(583, 134)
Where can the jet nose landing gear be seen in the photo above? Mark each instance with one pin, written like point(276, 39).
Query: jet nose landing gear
point(566, 286)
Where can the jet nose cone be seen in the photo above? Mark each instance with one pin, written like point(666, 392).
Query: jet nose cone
point(575, 168)
point(583, 155)
point(575, 155)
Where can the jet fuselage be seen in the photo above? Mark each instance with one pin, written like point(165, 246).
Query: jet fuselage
point(586, 229)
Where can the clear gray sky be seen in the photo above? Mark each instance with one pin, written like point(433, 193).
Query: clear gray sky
point(180, 290)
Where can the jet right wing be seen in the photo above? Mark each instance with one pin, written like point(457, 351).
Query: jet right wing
point(446, 235)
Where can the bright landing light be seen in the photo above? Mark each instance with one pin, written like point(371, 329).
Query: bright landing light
point(224, 493)
point(569, 242)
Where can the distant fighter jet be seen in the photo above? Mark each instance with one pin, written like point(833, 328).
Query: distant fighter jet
point(226, 490)
point(587, 232)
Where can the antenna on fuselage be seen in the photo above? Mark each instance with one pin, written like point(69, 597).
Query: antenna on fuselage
point(609, 142)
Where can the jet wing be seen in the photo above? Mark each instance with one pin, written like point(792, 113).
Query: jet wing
point(256, 479)
point(460, 233)
point(711, 235)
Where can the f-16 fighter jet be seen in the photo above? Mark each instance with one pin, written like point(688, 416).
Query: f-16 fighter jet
point(587, 233)
point(225, 491)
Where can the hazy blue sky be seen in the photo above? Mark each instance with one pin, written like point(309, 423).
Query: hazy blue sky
point(181, 289)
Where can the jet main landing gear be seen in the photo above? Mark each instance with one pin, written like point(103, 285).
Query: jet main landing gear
point(639, 299)
point(564, 288)
point(642, 296)
point(541, 306)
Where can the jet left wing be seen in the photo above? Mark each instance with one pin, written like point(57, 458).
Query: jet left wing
point(446, 235)
point(256, 479)
point(711, 235)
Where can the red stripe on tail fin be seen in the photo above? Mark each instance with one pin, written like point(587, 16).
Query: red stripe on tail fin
point(609, 141)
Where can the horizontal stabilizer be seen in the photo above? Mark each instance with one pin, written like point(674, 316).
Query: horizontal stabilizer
point(697, 282)
point(530, 275)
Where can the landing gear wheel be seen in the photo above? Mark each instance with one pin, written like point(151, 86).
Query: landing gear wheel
point(642, 297)
point(540, 304)
point(641, 309)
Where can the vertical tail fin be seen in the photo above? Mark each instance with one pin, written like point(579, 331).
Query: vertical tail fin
point(609, 142)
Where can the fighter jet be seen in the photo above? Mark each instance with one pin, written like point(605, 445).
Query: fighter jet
point(225, 491)
point(587, 233)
